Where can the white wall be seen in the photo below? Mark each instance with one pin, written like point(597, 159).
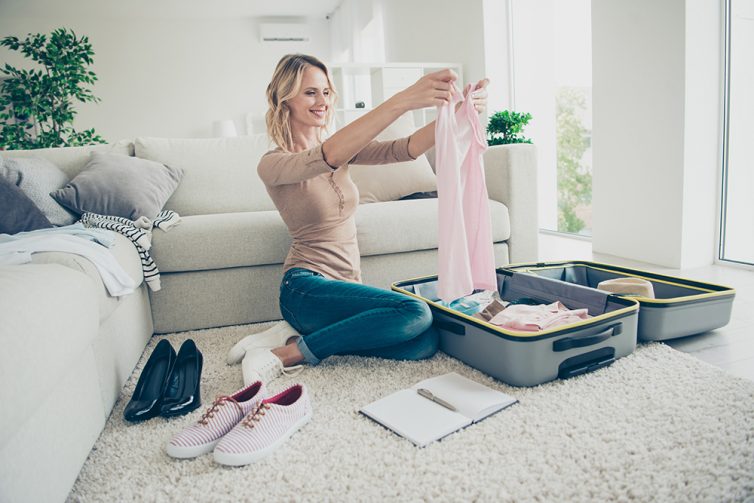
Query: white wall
point(171, 77)
point(656, 111)
point(436, 30)
point(174, 76)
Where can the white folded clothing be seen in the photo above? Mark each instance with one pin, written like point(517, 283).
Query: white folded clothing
point(19, 250)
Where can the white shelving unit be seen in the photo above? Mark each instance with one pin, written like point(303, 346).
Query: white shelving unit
point(374, 83)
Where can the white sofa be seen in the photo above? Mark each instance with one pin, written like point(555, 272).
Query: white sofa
point(68, 347)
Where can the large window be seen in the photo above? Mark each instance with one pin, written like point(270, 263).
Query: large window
point(552, 68)
point(737, 219)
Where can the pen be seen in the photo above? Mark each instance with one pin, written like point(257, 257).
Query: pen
point(428, 395)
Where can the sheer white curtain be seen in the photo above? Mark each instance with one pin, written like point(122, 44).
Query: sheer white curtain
point(357, 32)
point(551, 55)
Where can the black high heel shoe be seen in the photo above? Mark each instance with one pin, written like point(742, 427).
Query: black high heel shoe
point(147, 397)
point(182, 394)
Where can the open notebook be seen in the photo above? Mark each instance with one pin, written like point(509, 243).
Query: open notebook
point(423, 421)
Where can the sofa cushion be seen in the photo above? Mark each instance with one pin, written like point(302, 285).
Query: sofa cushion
point(47, 323)
point(18, 213)
point(401, 226)
point(390, 182)
point(204, 242)
point(123, 251)
point(71, 160)
point(37, 177)
point(220, 174)
point(120, 185)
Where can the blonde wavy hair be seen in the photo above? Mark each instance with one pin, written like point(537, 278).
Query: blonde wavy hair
point(285, 85)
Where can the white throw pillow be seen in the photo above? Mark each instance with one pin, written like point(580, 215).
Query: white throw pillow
point(390, 182)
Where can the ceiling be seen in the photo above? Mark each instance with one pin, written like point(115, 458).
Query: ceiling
point(192, 9)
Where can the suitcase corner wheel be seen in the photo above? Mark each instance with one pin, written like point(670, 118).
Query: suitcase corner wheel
point(532, 358)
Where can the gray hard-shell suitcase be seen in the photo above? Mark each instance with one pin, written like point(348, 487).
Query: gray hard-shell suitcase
point(681, 306)
point(531, 358)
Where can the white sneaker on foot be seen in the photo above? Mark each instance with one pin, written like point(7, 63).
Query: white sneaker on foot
point(271, 338)
point(262, 365)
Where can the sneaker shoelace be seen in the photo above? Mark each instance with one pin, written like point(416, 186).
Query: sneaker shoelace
point(220, 401)
point(274, 367)
point(256, 416)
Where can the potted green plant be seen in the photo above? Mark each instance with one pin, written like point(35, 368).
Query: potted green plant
point(36, 106)
point(507, 127)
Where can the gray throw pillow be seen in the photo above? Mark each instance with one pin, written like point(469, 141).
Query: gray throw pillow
point(114, 184)
point(37, 177)
point(17, 212)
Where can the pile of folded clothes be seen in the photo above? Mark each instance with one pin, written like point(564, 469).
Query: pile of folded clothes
point(522, 314)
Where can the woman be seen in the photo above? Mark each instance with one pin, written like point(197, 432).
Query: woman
point(321, 294)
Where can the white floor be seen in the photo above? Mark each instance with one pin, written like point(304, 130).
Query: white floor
point(731, 347)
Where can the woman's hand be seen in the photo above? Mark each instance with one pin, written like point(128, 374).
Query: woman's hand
point(432, 90)
point(478, 95)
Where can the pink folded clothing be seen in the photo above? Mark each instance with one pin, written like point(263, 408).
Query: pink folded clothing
point(540, 317)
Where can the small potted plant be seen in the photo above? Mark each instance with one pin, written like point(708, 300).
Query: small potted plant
point(507, 127)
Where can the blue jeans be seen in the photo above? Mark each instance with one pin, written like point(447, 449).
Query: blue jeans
point(343, 318)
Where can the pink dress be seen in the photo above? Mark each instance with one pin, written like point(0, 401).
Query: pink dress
point(466, 259)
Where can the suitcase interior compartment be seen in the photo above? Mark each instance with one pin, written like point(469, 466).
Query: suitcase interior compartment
point(590, 276)
point(681, 307)
point(532, 358)
point(513, 285)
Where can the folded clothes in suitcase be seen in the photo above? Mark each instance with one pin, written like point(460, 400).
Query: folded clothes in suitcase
point(680, 307)
point(529, 358)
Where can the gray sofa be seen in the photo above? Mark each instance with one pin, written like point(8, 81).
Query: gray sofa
point(69, 347)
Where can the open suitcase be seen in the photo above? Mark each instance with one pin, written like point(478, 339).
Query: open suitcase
point(531, 358)
point(681, 307)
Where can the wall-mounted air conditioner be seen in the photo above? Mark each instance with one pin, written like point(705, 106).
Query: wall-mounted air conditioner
point(284, 32)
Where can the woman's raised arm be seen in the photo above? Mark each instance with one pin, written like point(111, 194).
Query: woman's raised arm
point(431, 90)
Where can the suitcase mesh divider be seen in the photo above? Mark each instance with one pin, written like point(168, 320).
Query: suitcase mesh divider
point(548, 290)
point(591, 277)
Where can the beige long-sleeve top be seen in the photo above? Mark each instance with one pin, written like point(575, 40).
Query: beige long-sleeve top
point(318, 203)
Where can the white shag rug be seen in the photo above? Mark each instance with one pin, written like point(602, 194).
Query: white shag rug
point(658, 425)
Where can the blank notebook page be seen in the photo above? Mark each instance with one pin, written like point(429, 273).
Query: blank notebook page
point(471, 398)
point(414, 417)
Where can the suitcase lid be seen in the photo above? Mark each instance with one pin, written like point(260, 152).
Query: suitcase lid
point(673, 291)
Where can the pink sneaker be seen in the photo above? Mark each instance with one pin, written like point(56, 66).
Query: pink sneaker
point(225, 413)
point(264, 429)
